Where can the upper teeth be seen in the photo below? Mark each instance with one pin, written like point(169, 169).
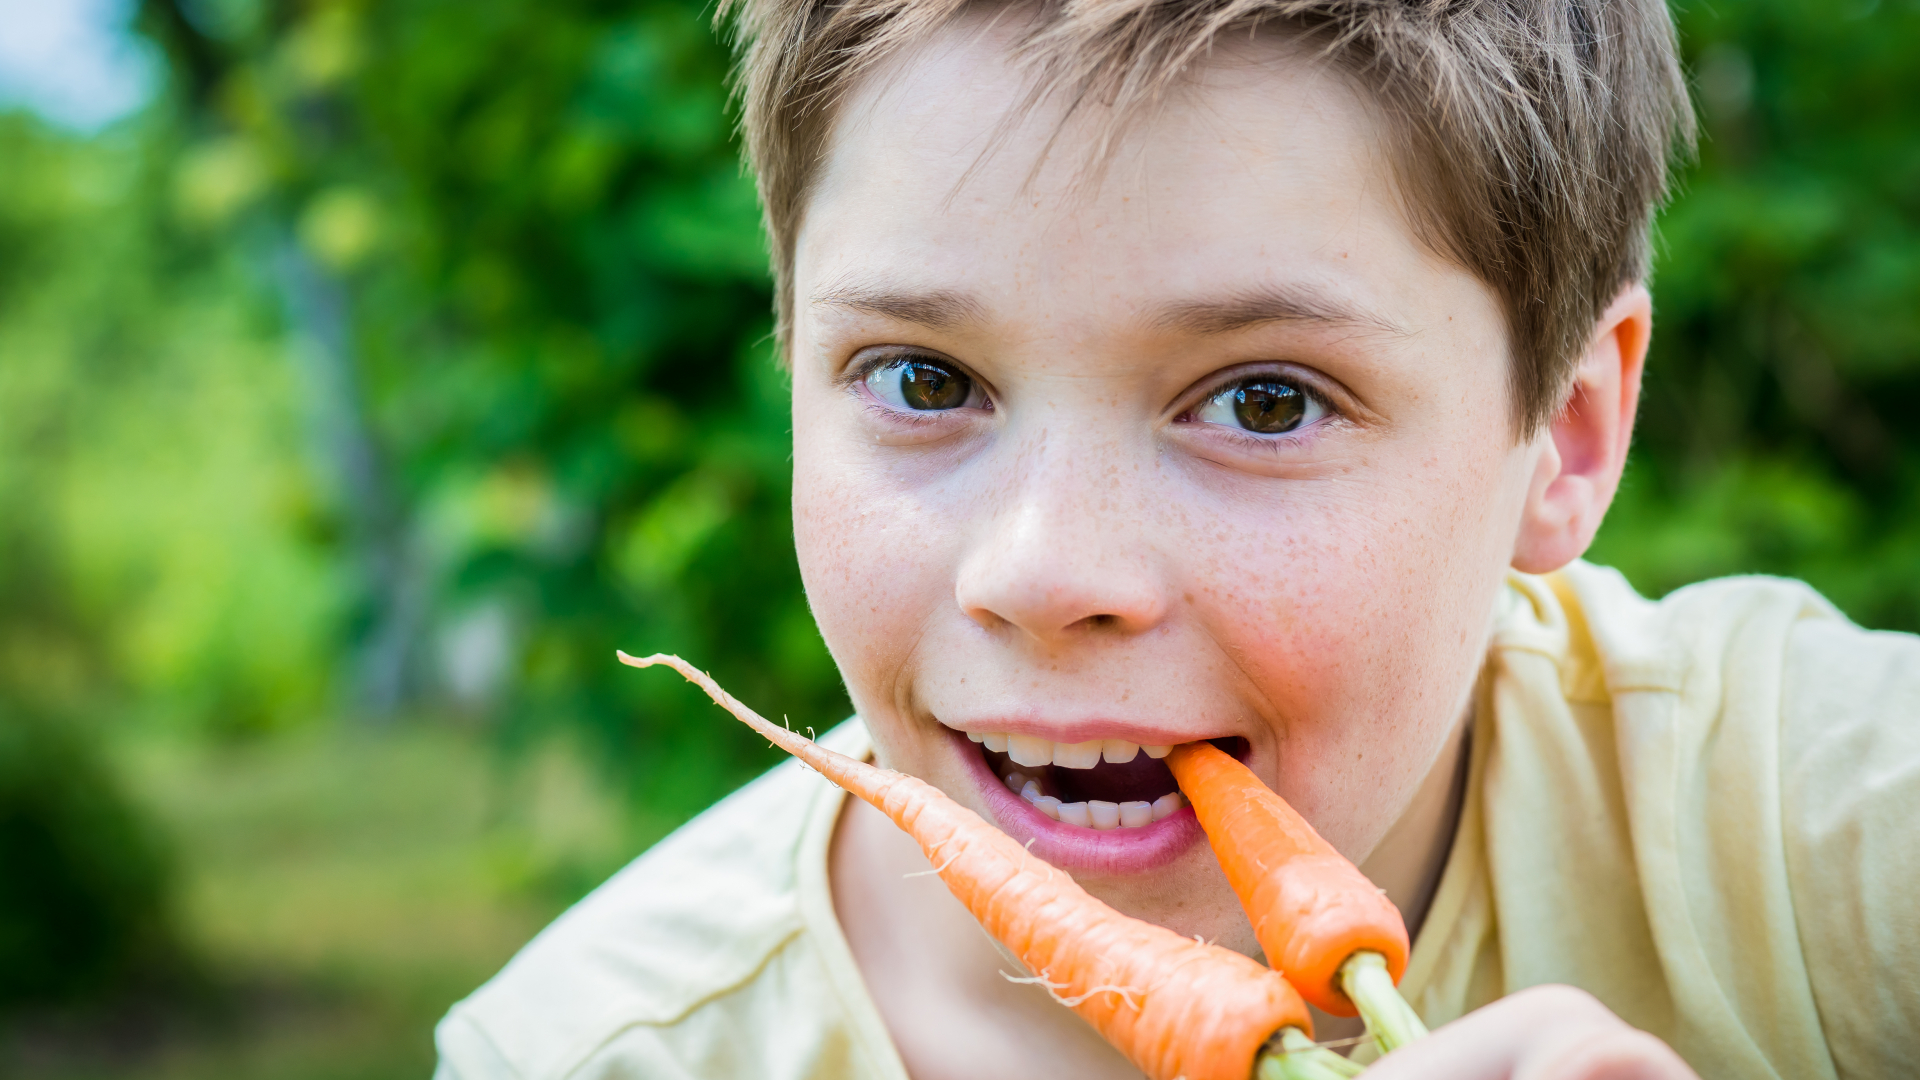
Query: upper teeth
point(1033, 753)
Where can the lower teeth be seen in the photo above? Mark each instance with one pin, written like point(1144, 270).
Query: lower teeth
point(1093, 813)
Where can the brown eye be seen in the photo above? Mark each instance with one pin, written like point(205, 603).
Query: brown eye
point(1269, 409)
point(1263, 407)
point(921, 386)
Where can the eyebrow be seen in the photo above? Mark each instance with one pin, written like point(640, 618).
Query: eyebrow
point(945, 309)
point(1269, 304)
point(936, 309)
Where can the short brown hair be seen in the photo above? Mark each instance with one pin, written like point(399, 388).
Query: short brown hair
point(1535, 136)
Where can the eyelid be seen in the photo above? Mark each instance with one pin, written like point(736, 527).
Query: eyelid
point(1244, 374)
point(861, 364)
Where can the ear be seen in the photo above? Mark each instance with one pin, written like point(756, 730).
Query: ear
point(1585, 450)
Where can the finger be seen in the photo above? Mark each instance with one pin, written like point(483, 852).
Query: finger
point(1610, 1052)
point(1544, 1033)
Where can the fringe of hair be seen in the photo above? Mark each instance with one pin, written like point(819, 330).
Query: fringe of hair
point(1534, 138)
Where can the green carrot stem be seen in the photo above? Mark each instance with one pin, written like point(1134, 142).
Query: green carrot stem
point(1390, 1020)
point(1298, 1057)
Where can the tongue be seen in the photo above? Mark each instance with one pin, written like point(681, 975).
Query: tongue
point(1141, 780)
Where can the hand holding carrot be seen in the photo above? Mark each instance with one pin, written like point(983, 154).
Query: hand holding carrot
point(1543, 1033)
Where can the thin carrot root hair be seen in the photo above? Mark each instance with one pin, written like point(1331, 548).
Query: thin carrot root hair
point(1174, 1007)
point(936, 871)
point(1126, 993)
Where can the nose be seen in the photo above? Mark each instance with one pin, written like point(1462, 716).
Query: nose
point(1066, 551)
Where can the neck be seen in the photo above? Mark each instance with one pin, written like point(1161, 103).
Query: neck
point(1408, 861)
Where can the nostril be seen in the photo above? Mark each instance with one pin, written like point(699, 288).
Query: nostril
point(985, 618)
point(1029, 583)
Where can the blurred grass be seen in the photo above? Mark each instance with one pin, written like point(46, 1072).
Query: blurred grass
point(342, 886)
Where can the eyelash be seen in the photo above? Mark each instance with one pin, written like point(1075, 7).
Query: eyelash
point(1296, 437)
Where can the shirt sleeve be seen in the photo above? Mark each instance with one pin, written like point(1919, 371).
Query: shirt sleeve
point(466, 1053)
point(1851, 799)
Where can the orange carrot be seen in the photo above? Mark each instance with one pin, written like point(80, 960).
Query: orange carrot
point(1311, 909)
point(1173, 1006)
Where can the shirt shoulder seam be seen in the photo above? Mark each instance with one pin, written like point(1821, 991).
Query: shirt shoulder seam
point(612, 1024)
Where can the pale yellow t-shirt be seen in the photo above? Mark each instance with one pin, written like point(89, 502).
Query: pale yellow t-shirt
point(1705, 811)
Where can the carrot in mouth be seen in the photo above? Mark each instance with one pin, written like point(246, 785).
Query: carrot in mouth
point(1174, 1006)
point(1337, 937)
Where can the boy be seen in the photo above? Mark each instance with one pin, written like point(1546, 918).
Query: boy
point(1256, 371)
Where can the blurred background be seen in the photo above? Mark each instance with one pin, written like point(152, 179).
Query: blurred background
point(369, 372)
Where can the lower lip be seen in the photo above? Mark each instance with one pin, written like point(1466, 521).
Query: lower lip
point(1114, 852)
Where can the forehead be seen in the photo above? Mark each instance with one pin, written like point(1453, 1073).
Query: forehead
point(1264, 170)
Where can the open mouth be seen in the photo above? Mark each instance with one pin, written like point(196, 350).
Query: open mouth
point(1103, 784)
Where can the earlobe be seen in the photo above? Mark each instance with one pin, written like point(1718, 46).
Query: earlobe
point(1585, 449)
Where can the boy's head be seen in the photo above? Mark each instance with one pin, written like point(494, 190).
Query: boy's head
point(1184, 370)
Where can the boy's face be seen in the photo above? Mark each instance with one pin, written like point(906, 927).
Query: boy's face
point(1213, 448)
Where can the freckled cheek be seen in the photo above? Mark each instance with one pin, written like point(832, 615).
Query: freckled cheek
point(1342, 615)
point(1310, 626)
point(874, 570)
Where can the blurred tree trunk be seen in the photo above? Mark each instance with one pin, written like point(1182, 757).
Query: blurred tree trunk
point(319, 314)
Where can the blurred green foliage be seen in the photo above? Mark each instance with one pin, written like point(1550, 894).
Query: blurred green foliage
point(523, 274)
point(84, 905)
point(1776, 434)
point(409, 357)
point(158, 547)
